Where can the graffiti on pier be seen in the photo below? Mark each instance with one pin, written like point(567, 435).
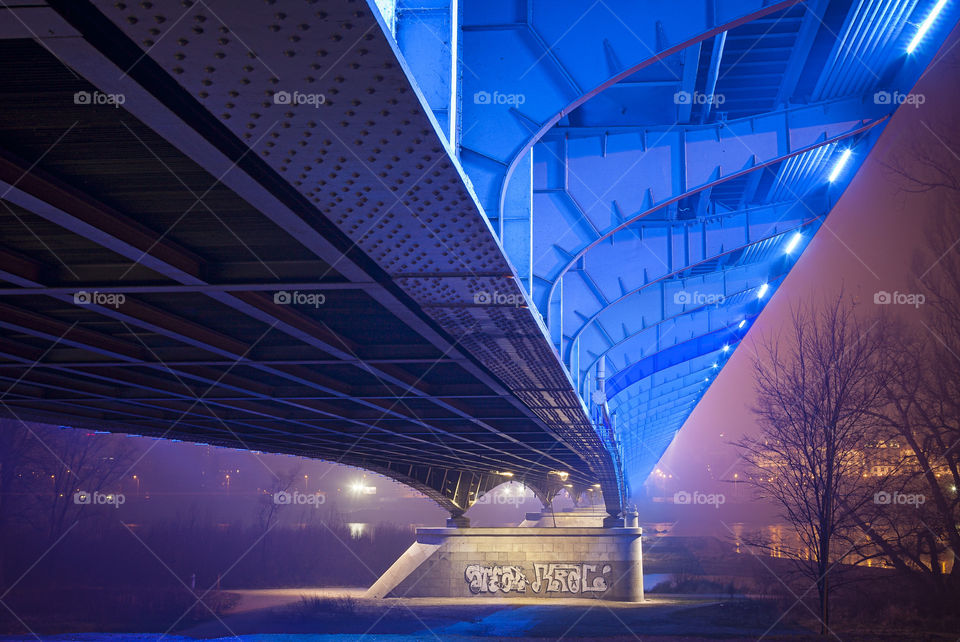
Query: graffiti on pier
point(569, 578)
point(550, 577)
point(493, 579)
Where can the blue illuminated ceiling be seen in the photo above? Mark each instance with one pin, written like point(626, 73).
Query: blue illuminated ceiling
point(654, 170)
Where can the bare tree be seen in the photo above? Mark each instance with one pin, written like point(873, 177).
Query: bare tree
point(922, 419)
point(923, 412)
point(20, 454)
point(78, 460)
point(268, 511)
point(819, 384)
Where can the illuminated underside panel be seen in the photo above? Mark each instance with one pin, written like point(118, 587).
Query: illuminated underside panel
point(654, 173)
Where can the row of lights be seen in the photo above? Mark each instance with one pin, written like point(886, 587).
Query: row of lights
point(841, 163)
point(921, 32)
point(845, 155)
point(762, 291)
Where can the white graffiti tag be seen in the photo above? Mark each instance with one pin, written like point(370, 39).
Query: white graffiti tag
point(569, 578)
point(554, 577)
point(491, 579)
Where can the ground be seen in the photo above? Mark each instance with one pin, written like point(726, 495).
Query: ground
point(306, 615)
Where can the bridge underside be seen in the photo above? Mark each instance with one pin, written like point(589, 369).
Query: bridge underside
point(515, 239)
point(286, 278)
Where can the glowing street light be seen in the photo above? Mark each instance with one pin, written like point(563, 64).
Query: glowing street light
point(794, 242)
point(742, 323)
point(762, 292)
point(844, 157)
point(926, 24)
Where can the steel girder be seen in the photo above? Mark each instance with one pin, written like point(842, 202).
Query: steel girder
point(415, 276)
point(527, 63)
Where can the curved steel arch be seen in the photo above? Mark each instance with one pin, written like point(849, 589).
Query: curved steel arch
point(548, 83)
point(626, 297)
point(676, 198)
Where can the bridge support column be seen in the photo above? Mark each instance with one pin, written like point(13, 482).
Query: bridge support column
point(528, 562)
point(457, 520)
point(613, 520)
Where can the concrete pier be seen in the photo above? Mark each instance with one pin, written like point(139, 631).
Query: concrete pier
point(480, 563)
